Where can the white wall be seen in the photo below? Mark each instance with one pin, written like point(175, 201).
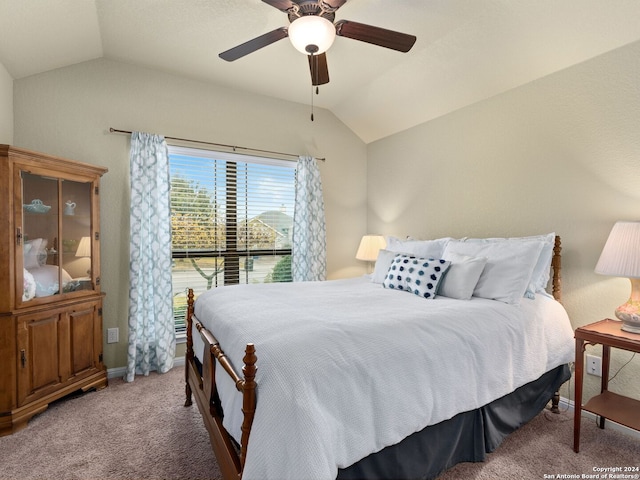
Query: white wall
point(6, 106)
point(559, 154)
point(68, 112)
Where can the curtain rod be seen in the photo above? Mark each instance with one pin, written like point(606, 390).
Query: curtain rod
point(233, 147)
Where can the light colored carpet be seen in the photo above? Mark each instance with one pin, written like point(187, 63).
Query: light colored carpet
point(142, 431)
point(138, 430)
point(544, 446)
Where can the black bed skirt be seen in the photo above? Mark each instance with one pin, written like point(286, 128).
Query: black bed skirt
point(467, 437)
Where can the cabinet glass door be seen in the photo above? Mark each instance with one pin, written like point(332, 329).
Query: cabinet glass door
point(56, 234)
point(75, 246)
point(39, 234)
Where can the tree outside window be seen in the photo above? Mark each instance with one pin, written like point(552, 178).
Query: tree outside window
point(232, 219)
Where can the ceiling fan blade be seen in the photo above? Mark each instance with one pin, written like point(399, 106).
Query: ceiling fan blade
point(282, 5)
point(253, 45)
point(375, 35)
point(318, 68)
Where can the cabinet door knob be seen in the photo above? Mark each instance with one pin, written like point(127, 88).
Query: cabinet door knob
point(23, 358)
point(18, 236)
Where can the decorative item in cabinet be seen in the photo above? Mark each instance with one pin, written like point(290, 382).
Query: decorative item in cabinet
point(50, 296)
point(36, 206)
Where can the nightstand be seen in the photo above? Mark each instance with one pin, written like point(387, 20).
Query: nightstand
point(615, 407)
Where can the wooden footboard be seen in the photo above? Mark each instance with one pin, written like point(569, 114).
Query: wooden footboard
point(203, 387)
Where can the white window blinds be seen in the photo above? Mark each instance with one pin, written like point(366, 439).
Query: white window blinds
point(231, 217)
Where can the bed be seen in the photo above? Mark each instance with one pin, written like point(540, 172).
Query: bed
point(404, 379)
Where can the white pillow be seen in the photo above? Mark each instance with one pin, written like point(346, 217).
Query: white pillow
point(30, 251)
point(462, 276)
point(383, 262)
point(42, 252)
point(509, 266)
point(420, 248)
point(541, 271)
point(416, 275)
point(46, 279)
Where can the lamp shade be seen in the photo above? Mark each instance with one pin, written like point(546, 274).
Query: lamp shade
point(312, 34)
point(84, 248)
point(369, 247)
point(621, 253)
point(621, 258)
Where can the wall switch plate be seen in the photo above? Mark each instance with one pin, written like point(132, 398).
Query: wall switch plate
point(112, 335)
point(594, 365)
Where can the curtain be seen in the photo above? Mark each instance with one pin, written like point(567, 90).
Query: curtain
point(152, 340)
point(308, 260)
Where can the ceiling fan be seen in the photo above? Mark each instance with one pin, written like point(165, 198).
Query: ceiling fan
point(312, 32)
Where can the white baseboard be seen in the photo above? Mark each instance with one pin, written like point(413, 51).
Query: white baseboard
point(569, 405)
point(120, 372)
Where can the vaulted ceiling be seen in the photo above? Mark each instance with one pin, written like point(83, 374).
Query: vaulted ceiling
point(467, 50)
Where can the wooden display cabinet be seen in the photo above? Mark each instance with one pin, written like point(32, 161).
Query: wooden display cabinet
point(50, 296)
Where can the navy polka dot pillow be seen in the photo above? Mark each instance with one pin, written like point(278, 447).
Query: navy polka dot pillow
point(416, 275)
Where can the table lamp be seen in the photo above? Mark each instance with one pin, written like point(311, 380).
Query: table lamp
point(621, 258)
point(369, 247)
point(84, 249)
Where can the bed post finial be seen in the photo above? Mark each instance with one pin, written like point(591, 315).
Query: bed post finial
point(556, 263)
point(189, 353)
point(248, 398)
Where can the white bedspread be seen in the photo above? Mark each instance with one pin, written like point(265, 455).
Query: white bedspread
point(346, 367)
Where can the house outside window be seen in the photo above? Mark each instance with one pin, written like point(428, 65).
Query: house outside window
point(232, 221)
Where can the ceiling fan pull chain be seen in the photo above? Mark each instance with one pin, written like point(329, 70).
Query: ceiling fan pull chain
point(313, 77)
point(317, 92)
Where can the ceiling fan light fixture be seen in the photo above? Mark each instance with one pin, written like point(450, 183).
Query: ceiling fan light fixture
point(312, 34)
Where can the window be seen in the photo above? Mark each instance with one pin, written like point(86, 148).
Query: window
point(232, 221)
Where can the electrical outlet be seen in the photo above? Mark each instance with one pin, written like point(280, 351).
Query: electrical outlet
point(594, 365)
point(112, 335)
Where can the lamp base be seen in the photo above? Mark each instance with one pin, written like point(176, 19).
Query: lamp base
point(630, 328)
point(629, 313)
